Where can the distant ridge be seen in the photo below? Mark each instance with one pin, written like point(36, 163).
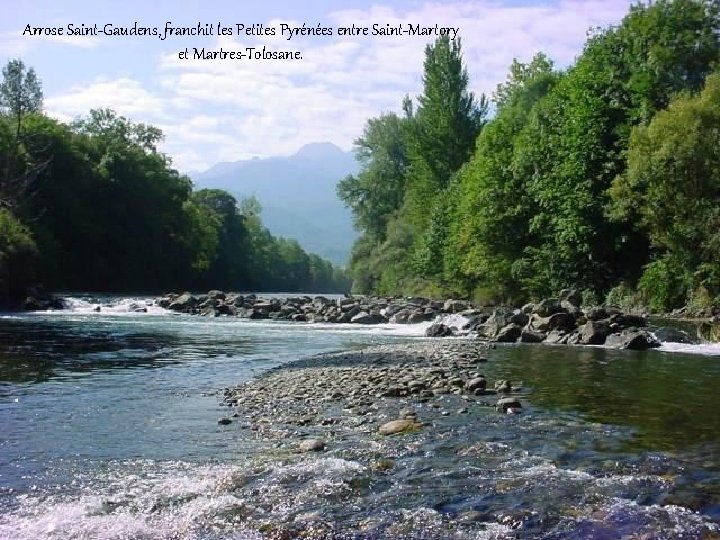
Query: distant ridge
point(297, 194)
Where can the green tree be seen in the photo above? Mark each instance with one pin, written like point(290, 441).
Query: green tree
point(20, 92)
point(519, 76)
point(379, 189)
point(671, 190)
point(228, 267)
point(578, 136)
point(446, 124)
point(20, 96)
point(489, 230)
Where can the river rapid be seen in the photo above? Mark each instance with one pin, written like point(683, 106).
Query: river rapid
point(108, 429)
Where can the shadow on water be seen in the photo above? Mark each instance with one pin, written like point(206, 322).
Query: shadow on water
point(669, 399)
point(46, 349)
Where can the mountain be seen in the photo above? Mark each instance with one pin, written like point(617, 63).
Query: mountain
point(297, 194)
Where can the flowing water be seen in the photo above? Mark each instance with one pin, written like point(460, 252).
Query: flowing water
point(108, 429)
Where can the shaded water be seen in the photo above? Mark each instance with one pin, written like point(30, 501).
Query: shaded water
point(108, 430)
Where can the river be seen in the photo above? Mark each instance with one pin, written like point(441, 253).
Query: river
point(108, 429)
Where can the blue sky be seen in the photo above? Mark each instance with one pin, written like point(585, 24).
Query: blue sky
point(225, 110)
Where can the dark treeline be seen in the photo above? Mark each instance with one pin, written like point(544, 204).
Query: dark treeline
point(94, 205)
point(603, 177)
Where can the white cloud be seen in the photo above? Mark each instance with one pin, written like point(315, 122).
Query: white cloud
point(224, 110)
point(126, 96)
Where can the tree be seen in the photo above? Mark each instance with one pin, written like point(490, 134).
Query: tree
point(579, 133)
point(20, 95)
point(113, 129)
point(671, 189)
point(20, 92)
point(379, 189)
point(446, 124)
point(520, 74)
point(489, 229)
point(228, 267)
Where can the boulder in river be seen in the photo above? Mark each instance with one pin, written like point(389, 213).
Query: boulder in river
point(594, 332)
point(571, 296)
point(421, 315)
point(183, 303)
point(367, 318)
point(530, 336)
point(42, 303)
point(556, 336)
point(675, 335)
point(478, 383)
point(508, 405)
point(636, 340)
point(438, 330)
point(454, 306)
point(395, 427)
point(547, 307)
point(555, 321)
point(509, 333)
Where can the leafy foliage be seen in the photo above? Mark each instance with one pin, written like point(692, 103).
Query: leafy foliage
point(408, 163)
point(672, 191)
point(17, 255)
point(378, 190)
point(95, 206)
point(601, 177)
point(444, 128)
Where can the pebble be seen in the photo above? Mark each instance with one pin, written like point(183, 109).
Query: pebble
point(382, 465)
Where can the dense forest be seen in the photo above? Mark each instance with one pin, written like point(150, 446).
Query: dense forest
point(604, 176)
point(94, 206)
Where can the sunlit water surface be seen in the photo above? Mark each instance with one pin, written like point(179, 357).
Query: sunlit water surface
point(108, 429)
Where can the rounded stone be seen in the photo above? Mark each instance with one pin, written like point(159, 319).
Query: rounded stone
point(508, 405)
point(312, 445)
point(398, 426)
point(382, 465)
point(476, 383)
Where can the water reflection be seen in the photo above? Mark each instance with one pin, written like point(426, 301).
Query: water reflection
point(36, 351)
point(668, 398)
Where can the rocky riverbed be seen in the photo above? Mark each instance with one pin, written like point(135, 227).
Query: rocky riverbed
point(420, 427)
point(560, 320)
point(366, 391)
point(375, 407)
